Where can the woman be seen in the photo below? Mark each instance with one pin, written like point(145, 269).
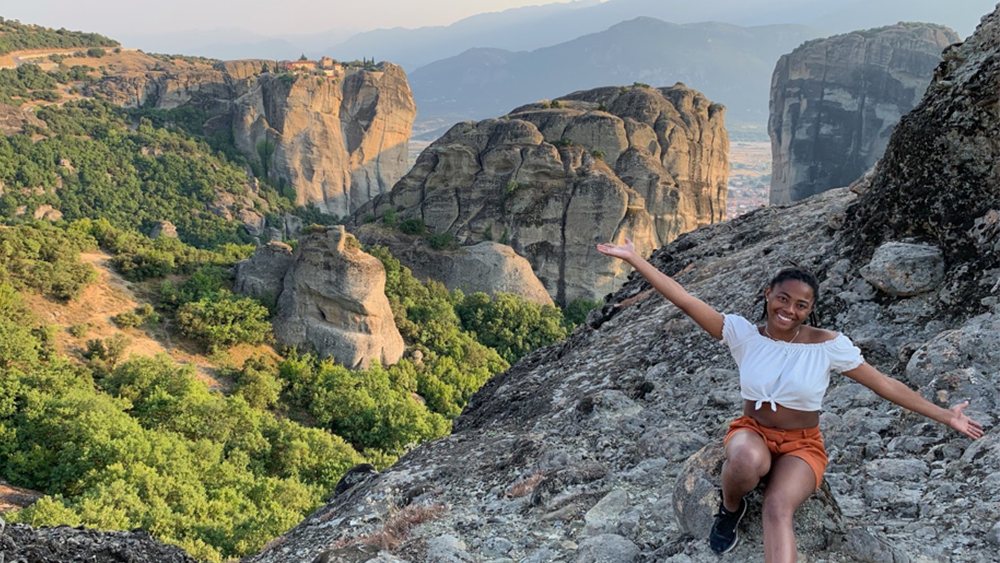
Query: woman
point(784, 372)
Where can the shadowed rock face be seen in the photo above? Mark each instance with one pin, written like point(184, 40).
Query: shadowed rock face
point(337, 141)
point(835, 101)
point(553, 180)
point(489, 267)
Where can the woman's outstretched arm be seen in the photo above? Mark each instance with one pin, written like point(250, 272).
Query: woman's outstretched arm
point(897, 392)
point(702, 313)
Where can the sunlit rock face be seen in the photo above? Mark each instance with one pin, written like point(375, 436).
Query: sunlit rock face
point(336, 141)
point(835, 101)
point(554, 179)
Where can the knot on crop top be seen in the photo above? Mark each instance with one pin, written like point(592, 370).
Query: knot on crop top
point(792, 374)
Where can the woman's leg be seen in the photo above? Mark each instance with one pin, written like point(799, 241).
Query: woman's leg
point(792, 481)
point(747, 460)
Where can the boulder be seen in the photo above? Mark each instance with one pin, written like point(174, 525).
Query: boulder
point(905, 269)
point(47, 213)
point(835, 101)
point(163, 229)
point(263, 274)
point(333, 300)
point(696, 499)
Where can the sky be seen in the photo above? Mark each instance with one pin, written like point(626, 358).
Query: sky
point(265, 17)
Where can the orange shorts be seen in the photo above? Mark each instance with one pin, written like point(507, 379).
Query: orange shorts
point(805, 444)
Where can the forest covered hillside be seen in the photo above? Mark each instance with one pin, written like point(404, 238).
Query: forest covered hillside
point(175, 410)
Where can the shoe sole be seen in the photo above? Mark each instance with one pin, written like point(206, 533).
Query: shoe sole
point(732, 547)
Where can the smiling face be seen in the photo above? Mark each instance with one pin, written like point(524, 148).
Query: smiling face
point(789, 303)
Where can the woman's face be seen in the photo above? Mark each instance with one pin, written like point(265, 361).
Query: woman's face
point(788, 304)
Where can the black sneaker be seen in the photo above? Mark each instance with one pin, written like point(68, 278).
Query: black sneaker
point(724, 535)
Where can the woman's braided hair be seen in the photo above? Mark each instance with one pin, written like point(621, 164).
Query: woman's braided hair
point(797, 273)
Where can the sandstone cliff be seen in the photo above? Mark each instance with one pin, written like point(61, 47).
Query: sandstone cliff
point(835, 101)
point(489, 267)
point(583, 451)
point(553, 179)
point(330, 297)
point(337, 141)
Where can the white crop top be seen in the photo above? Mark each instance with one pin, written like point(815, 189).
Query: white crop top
point(794, 375)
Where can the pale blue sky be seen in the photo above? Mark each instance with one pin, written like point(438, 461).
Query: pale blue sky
point(266, 17)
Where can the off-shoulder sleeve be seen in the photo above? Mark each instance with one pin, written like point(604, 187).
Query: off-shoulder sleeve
point(844, 355)
point(735, 331)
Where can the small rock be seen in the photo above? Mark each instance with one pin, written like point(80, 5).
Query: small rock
point(896, 470)
point(497, 546)
point(993, 536)
point(607, 548)
point(603, 517)
point(447, 549)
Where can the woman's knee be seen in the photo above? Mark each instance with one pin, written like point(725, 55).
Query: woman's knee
point(748, 459)
point(777, 509)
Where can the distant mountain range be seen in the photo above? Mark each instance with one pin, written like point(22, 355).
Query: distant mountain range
point(729, 64)
point(534, 27)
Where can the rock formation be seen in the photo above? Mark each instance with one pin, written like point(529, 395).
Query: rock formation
point(336, 140)
point(835, 101)
point(574, 453)
point(553, 179)
point(13, 120)
point(489, 267)
point(330, 297)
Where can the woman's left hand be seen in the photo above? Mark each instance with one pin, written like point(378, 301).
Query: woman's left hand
point(964, 424)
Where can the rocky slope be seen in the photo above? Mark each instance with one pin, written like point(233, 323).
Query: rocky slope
point(553, 179)
point(597, 429)
point(20, 544)
point(338, 141)
point(835, 101)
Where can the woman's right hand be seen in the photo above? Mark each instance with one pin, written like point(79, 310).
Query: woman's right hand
point(624, 251)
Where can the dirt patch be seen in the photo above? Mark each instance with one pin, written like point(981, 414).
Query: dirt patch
point(112, 294)
point(13, 498)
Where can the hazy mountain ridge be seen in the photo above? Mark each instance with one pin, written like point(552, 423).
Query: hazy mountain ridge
point(730, 64)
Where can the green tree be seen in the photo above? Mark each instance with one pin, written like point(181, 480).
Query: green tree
point(510, 324)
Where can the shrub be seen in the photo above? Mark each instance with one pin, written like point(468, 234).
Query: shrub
point(96, 52)
point(564, 142)
point(108, 352)
point(598, 154)
point(79, 330)
point(127, 319)
point(225, 321)
point(576, 312)
point(389, 217)
point(510, 324)
point(602, 107)
point(414, 226)
point(258, 383)
point(554, 104)
point(442, 241)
